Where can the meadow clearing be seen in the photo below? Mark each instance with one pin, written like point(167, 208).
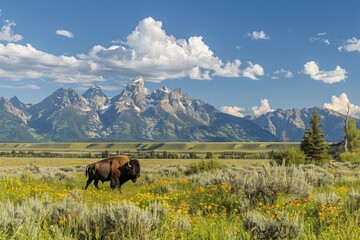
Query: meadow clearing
point(43, 198)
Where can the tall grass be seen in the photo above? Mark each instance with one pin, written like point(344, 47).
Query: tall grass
point(203, 200)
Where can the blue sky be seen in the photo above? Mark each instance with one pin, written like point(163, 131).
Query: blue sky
point(240, 56)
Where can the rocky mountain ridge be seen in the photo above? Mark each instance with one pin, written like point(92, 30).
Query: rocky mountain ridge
point(290, 124)
point(135, 114)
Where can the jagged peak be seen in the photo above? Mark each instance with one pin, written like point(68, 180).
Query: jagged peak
point(136, 86)
point(94, 91)
point(14, 98)
point(165, 89)
point(137, 80)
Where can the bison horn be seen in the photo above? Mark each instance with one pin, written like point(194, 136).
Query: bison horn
point(129, 165)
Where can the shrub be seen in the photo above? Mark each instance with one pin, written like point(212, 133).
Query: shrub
point(353, 202)
point(266, 184)
point(209, 155)
point(128, 221)
point(329, 199)
point(353, 157)
point(234, 179)
point(317, 176)
point(203, 166)
point(71, 215)
point(281, 227)
point(289, 157)
point(28, 216)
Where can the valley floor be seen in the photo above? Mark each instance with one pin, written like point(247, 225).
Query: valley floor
point(43, 198)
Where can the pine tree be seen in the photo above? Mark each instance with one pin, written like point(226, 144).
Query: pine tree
point(314, 145)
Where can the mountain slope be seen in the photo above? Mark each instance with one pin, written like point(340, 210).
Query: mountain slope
point(293, 122)
point(165, 115)
point(65, 116)
point(138, 114)
point(96, 98)
point(13, 126)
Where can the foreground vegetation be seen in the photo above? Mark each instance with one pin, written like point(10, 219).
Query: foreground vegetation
point(180, 199)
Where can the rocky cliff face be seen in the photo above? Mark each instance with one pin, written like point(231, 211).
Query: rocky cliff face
point(135, 114)
point(96, 98)
point(291, 123)
point(166, 115)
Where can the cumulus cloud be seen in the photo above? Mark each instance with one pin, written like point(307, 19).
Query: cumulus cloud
point(148, 51)
point(65, 33)
point(195, 73)
point(282, 73)
point(312, 69)
point(258, 35)
point(151, 52)
point(252, 71)
point(263, 108)
point(235, 111)
point(18, 62)
point(351, 45)
point(341, 103)
point(321, 37)
point(6, 33)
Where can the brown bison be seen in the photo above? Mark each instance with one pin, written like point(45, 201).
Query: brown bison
point(118, 170)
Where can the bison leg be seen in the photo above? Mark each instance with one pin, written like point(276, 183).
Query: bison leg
point(115, 183)
point(96, 183)
point(88, 183)
point(112, 184)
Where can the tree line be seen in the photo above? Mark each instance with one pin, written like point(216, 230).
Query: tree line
point(315, 150)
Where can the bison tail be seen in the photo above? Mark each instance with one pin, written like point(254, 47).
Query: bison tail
point(87, 170)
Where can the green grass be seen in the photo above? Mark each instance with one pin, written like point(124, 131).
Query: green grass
point(178, 147)
point(207, 204)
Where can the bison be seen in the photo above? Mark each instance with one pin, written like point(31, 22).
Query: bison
point(118, 170)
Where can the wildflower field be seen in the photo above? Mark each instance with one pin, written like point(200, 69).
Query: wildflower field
point(180, 199)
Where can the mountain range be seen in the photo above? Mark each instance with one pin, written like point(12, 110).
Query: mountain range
point(138, 114)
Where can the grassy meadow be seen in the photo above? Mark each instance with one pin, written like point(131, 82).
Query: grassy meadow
point(179, 147)
point(43, 198)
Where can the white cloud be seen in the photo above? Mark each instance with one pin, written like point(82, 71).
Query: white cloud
point(31, 86)
point(341, 103)
point(18, 62)
point(195, 73)
point(65, 33)
point(312, 69)
point(259, 35)
point(148, 51)
point(282, 73)
point(252, 71)
point(6, 33)
point(320, 37)
point(351, 45)
point(230, 69)
point(21, 86)
point(235, 111)
point(263, 108)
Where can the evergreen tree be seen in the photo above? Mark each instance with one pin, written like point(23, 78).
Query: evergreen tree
point(314, 145)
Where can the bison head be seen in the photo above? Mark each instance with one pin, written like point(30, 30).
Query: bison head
point(132, 169)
